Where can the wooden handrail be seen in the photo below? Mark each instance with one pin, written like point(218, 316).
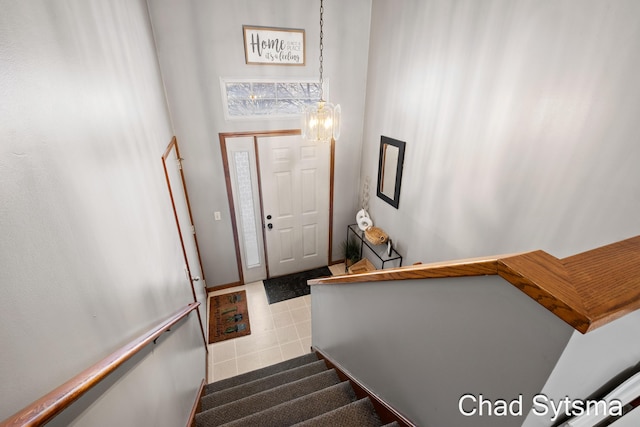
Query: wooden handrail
point(54, 402)
point(587, 290)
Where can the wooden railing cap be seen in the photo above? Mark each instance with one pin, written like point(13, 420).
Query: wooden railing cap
point(586, 290)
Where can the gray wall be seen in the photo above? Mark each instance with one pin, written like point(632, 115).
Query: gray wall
point(89, 254)
point(200, 41)
point(422, 344)
point(520, 118)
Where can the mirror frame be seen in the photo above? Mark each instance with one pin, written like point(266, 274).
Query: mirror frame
point(384, 140)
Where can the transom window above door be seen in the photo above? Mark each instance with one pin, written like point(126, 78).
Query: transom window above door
point(268, 99)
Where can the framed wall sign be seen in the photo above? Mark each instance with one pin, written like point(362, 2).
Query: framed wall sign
point(273, 46)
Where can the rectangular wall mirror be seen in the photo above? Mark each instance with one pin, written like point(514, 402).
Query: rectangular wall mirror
point(390, 170)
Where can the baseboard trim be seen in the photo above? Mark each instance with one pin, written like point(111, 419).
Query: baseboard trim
point(386, 413)
point(196, 406)
point(225, 286)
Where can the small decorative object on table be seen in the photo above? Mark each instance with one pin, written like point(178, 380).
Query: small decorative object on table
point(363, 220)
point(376, 235)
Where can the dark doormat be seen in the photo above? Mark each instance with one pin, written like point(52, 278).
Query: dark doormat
point(228, 316)
point(292, 285)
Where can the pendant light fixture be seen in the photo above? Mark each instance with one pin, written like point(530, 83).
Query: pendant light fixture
point(321, 121)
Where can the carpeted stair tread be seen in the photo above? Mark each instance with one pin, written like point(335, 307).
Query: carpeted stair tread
point(300, 409)
point(260, 373)
point(260, 401)
point(393, 424)
point(247, 389)
point(360, 413)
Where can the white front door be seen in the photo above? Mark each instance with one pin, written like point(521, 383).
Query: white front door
point(294, 177)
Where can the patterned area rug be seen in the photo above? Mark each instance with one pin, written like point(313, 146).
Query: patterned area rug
point(228, 316)
point(292, 285)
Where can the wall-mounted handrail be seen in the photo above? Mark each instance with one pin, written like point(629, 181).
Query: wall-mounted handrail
point(54, 402)
point(587, 290)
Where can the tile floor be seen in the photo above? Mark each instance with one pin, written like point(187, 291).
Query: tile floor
point(279, 332)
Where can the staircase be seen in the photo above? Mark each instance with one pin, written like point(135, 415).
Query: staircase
point(301, 392)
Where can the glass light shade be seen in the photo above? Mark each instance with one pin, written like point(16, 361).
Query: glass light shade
point(321, 122)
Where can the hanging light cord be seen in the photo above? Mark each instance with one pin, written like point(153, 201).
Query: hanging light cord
point(321, 47)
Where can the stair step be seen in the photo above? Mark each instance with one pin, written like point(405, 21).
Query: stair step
point(260, 401)
point(360, 413)
point(260, 373)
point(300, 409)
point(393, 424)
point(222, 397)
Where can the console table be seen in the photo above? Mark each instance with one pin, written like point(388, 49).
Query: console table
point(380, 251)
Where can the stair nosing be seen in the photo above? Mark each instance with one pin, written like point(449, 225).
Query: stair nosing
point(367, 410)
point(331, 379)
point(222, 384)
point(234, 390)
point(342, 387)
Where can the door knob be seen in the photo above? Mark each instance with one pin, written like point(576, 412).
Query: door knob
point(269, 226)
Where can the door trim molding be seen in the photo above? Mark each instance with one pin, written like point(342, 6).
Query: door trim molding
point(227, 177)
point(264, 232)
point(331, 172)
point(232, 208)
point(165, 157)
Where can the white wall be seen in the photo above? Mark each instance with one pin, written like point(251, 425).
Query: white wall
point(590, 362)
point(200, 41)
point(520, 118)
point(89, 254)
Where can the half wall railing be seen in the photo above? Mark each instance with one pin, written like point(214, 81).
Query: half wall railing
point(587, 290)
point(512, 327)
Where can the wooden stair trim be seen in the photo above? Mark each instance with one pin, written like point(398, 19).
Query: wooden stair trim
point(197, 405)
point(464, 267)
point(608, 290)
point(587, 290)
point(51, 404)
point(543, 278)
point(386, 413)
